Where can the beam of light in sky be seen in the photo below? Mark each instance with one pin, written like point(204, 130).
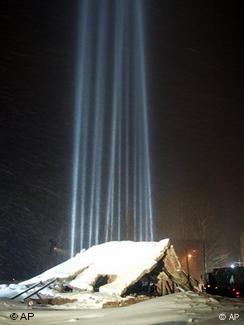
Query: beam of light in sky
point(117, 68)
point(127, 157)
point(84, 158)
point(119, 147)
point(111, 172)
point(139, 21)
point(141, 200)
point(100, 101)
point(77, 120)
point(84, 180)
point(139, 159)
point(94, 214)
point(135, 178)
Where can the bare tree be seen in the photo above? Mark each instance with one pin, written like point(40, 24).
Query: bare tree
point(197, 222)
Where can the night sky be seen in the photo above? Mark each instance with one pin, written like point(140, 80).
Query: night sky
point(195, 86)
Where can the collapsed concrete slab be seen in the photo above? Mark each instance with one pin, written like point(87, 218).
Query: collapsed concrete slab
point(123, 262)
point(115, 269)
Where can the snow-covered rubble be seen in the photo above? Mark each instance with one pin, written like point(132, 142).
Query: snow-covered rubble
point(124, 263)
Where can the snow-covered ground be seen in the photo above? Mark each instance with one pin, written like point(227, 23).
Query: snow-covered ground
point(180, 308)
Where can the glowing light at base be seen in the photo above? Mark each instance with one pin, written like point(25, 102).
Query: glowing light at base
point(111, 171)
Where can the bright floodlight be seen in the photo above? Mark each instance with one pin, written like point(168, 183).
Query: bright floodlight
point(111, 172)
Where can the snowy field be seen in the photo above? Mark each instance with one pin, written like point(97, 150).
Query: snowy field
point(180, 308)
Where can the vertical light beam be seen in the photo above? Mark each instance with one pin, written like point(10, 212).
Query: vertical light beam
point(98, 125)
point(79, 86)
point(144, 102)
point(117, 67)
point(120, 133)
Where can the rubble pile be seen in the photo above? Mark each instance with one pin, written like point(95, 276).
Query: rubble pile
point(114, 273)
